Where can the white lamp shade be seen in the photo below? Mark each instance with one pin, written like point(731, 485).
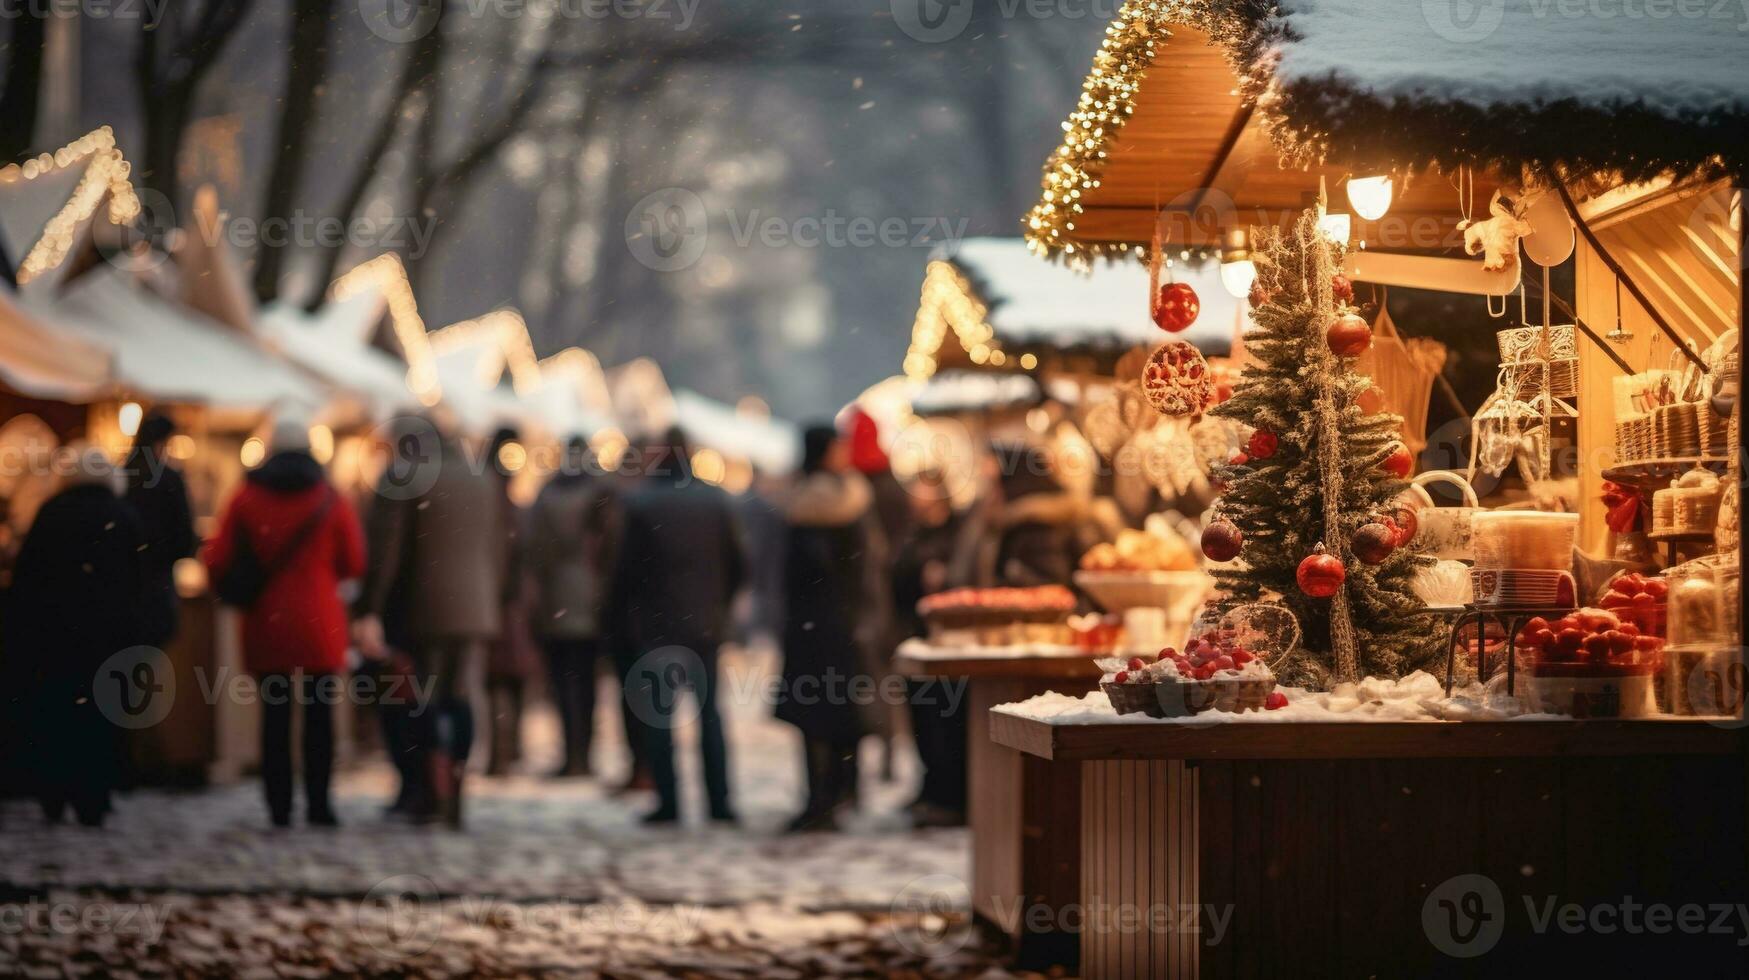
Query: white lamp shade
point(1370, 196)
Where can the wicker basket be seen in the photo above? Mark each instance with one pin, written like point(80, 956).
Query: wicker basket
point(1694, 510)
point(1181, 699)
point(1676, 430)
point(1523, 354)
point(1715, 434)
point(1633, 439)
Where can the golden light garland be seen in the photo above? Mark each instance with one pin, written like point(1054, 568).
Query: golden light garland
point(106, 176)
point(1107, 101)
point(949, 302)
point(386, 273)
point(504, 335)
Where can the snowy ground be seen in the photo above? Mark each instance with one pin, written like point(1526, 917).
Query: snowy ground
point(549, 877)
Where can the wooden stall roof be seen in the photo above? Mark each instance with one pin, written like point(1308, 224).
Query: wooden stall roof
point(1220, 113)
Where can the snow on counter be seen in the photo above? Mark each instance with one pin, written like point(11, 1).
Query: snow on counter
point(1417, 697)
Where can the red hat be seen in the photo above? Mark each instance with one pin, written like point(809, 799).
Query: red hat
point(865, 443)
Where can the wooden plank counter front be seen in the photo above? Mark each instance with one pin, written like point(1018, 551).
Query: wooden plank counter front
point(1244, 849)
point(1018, 806)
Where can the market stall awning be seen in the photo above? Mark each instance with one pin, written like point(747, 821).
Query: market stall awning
point(1221, 116)
point(334, 343)
point(38, 361)
point(571, 395)
point(770, 444)
point(960, 392)
point(50, 202)
point(165, 353)
point(987, 303)
point(642, 400)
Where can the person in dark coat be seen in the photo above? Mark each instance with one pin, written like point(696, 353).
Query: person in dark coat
point(307, 540)
point(921, 566)
point(74, 603)
point(511, 657)
point(1042, 529)
point(679, 564)
point(157, 493)
point(564, 561)
point(827, 580)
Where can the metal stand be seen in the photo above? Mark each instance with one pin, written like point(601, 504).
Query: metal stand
point(1513, 619)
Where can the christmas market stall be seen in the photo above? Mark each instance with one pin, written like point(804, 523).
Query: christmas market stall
point(1421, 704)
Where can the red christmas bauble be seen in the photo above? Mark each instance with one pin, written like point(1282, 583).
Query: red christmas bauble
point(1259, 295)
point(1373, 543)
point(1222, 540)
point(1349, 336)
point(1262, 444)
point(1371, 400)
point(1177, 307)
point(1341, 288)
point(1399, 462)
point(1320, 574)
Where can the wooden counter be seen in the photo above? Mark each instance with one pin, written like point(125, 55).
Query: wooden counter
point(1400, 848)
point(1018, 806)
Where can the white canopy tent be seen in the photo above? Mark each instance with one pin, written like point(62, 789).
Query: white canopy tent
point(40, 362)
point(770, 444)
point(166, 353)
point(334, 343)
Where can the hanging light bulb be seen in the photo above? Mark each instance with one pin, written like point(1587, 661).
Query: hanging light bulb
point(127, 418)
point(1238, 271)
point(1370, 196)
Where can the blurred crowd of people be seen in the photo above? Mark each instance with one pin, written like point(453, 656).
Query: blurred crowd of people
point(439, 583)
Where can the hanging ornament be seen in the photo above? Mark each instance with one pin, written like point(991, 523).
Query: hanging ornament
point(1371, 400)
point(1349, 336)
point(1373, 543)
point(1177, 307)
point(1341, 288)
point(1320, 574)
point(1222, 540)
point(1262, 444)
point(1399, 462)
point(1404, 523)
point(1258, 296)
point(1176, 379)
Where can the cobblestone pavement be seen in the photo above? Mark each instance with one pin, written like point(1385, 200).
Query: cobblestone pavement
point(550, 877)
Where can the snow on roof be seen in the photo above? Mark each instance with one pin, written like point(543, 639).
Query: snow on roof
point(771, 444)
point(172, 354)
point(38, 361)
point(1034, 301)
point(1525, 51)
point(333, 342)
point(948, 392)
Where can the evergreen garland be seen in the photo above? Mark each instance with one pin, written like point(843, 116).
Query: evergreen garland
point(1324, 480)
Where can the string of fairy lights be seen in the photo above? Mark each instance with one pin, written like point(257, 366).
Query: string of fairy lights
point(950, 302)
point(106, 177)
point(1106, 103)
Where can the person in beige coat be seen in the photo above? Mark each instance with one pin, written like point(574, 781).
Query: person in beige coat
point(438, 538)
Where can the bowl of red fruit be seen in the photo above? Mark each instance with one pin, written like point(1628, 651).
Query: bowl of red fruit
point(1591, 663)
point(1213, 673)
point(1638, 599)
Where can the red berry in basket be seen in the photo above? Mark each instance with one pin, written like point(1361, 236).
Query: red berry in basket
point(1167, 653)
point(1596, 648)
point(1123, 677)
point(1136, 663)
point(1275, 700)
point(1205, 672)
point(1657, 587)
point(1183, 665)
point(1629, 629)
point(1242, 656)
point(1647, 644)
point(1568, 641)
point(1619, 642)
point(1644, 600)
point(1224, 663)
point(1535, 623)
point(1543, 638)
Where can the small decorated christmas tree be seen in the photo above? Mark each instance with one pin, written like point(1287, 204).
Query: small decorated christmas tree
point(1308, 508)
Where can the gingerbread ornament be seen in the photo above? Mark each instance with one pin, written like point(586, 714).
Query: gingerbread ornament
point(1176, 379)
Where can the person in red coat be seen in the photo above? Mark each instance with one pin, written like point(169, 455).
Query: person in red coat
point(306, 540)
